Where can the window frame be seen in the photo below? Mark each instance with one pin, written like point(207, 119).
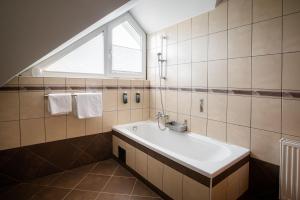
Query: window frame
point(106, 29)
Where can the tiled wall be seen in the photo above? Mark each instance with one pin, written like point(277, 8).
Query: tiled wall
point(243, 60)
point(24, 117)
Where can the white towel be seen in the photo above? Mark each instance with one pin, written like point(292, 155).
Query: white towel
point(87, 105)
point(60, 103)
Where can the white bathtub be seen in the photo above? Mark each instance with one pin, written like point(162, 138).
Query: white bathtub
point(204, 155)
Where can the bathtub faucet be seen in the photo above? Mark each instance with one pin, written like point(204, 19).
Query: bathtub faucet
point(161, 115)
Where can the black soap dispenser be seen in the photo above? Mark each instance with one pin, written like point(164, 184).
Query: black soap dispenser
point(137, 97)
point(125, 98)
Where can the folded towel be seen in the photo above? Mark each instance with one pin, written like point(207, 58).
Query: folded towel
point(87, 105)
point(60, 103)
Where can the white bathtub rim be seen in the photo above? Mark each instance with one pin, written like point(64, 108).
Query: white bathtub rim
point(210, 172)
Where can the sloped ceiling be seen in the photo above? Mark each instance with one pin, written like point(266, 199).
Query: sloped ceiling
point(154, 15)
point(29, 29)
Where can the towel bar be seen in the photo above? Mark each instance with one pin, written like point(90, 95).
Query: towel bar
point(46, 95)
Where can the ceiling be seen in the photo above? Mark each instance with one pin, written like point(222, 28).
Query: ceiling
point(154, 15)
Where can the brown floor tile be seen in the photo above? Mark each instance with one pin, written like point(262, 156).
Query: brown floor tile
point(106, 167)
point(46, 180)
point(121, 171)
point(144, 198)
point(143, 190)
point(93, 182)
point(68, 180)
point(81, 195)
point(51, 193)
point(83, 169)
point(120, 185)
point(21, 191)
point(106, 196)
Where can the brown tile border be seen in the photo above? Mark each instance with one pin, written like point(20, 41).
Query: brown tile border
point(182, 169)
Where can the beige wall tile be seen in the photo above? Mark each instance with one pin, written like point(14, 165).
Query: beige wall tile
point(109, 119)
point(115, 141)
point(220, 190)
point(93, 125)
point(184, 102)
point(218, 18)
point(13, 82)
point(75, 126)
point(136, 115)
point(239, 42)
point(171, 100)
point(172, 183)
point(290, 6)
point(244, 178)
point(54, 81)
point(238, 135)
point(32, 131)
point(199, 49)
point(155, 172)
point(93, 82)
point(217, 74)
point(158, 98)
point(239, 13)
point(171, 80)
point(197, 97)
point(233, 185)
point(9, 135)
point(141, 163)
point(291, 117)
point(239, 73)
point(110, 82)
point(171, 55)
point(152, 58)
point(266, 9)
point(217, 48)
point(110, 100)
point(265, 146)
point(291, 32)
point(266, 72)
point(123, 116)
point(185, 52)
point(172, 34)
point(56, 128)
point(291, 71)
point(9, 106)
point(173, 116)
point(152, 100)
point(199, 74)
point(75, 82)
point(130, 156)
point(267, 37)
point(216, 130)
point(30, 81)
point(239, 110)
point(193, 190)
point(184, 30)
point(217, 105)
point(198, 125)
point(146, 114)
point(200, 25)
point(146, 99)
point(184, 75)
point(31, 105)
point(266, 114)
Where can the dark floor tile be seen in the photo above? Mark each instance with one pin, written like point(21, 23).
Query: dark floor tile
point(83, 169)
point(81, 195)
point(68, 180)
point(121, 171)
point(120, 185)
point(142, 190)
point(106, 196)
point(46, 180)
point(144, 198)
point(93, 182)
point(21, 191)
point(51, 193)
point(106, 167)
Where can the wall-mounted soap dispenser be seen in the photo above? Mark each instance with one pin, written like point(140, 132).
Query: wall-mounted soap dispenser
point(125, 97)
point(137, 97)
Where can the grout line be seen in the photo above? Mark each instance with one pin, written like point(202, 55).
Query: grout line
point(135, 181)
point(226, 136)
point(251, 75)
point(281, 118)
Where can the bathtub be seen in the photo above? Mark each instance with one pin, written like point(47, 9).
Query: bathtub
point(205, 157)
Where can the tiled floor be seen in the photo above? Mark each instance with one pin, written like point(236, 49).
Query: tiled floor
point(105, 180)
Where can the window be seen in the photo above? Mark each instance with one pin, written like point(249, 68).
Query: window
point(87, 58)
point(115, 49)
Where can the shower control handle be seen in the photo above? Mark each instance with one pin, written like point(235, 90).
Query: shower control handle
point(201, 105)
point(125, 98)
